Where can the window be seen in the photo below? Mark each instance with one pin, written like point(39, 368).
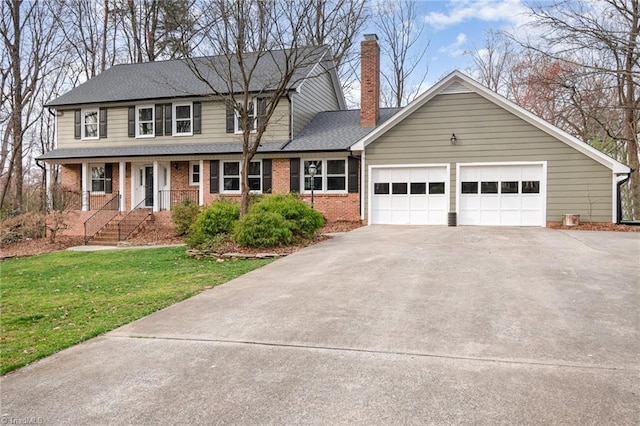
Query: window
point(231, 175)
point(90, 124)
point(194, 173)
point(182, 119)
point(510, 187)
point(255, 176)
point(331, 175)
point(145, 120)
point(98, 178)
point(399, 188)
point(488, 187)
point(252, 115)
point(418, 188)
point(436, 188)
point(530, 187)
point(469, 187)
point(380, 188)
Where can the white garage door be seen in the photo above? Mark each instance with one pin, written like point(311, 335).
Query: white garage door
point(504, 195)
point(409, 195)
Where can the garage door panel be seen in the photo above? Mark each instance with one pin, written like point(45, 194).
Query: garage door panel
point(508, 204)
point(409, 200)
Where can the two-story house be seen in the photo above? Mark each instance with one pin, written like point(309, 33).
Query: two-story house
point(152, 134)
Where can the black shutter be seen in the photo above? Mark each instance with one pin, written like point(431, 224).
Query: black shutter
point(168, 125)
point(159, 120)
point(294, 175)
point(131, 122)
point(214, 176)
point(103, 123)
point(231, 119)
point(266, 176)
point(77, 129)
point(197, 118)
point(262, 107)
point(108, 178)
point(353, 175)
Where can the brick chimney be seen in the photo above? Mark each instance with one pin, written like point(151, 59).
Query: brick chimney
point(370, 85)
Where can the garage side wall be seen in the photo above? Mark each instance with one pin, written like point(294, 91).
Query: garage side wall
point(487, 133)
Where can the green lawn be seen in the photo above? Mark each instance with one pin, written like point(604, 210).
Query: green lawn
point(53, 301)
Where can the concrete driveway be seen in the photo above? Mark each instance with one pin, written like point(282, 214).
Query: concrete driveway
point(383, 325)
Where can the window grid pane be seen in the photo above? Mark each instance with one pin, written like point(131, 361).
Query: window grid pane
point(418, 188)
point(436, 188)
point(488, 187)
point(469, 187)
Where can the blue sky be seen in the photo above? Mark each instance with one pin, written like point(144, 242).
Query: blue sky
point(453, 27)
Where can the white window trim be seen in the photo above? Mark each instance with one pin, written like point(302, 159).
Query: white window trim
point(325, 176)
point(153, 121)
point(175, 118)
point(191, 181)
point(83, 116)
point(91, 167)
point(222, 176)
point(236, 119)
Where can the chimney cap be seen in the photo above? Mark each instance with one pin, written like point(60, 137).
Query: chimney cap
point(373, 37)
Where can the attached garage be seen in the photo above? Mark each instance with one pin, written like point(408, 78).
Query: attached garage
point(409, 195)
point(501, 194)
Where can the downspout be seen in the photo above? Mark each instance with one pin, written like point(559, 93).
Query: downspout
point(619, 197)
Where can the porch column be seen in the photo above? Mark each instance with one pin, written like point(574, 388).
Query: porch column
point(122, 187)
point(47, 184)
point(201, 184)
point(86, 184)
point(156, 187)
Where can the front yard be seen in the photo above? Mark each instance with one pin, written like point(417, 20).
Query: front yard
point(55, 300)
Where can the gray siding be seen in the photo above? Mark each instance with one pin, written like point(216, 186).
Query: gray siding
point(488, 133)
point(213, 127)
point(316, 94)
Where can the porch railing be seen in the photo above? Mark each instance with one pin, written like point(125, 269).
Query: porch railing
point(169, 198)
point(101, 217)
point(132, 220)
point(96, 200)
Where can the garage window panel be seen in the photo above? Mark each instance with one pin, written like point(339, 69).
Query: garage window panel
point(381, 188)
point(399, 188)
point(509, 187)
point(488, 187)
point(436, 188)
point(469, 187)
point(418, 188)
point(531, 187)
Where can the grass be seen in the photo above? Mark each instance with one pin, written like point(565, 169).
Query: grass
point(56, 300)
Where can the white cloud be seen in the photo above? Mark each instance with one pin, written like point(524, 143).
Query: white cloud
point(457, 48)
point(508, 11)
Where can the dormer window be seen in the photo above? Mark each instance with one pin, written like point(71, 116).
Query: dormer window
point(183, 119)
point(145, 121)
point(90, 124)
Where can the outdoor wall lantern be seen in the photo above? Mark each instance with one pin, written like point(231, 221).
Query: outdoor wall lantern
point(453, 139)
point(175, 165)
point(312, 173)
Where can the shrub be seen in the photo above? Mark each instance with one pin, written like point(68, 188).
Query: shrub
point(184, 215)
point(302, 220)
point(262, 229)
point(218, 218)
point(26, 225)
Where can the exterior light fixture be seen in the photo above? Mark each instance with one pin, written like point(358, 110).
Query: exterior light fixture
point(175, 165)
point(312, 173)
point(453, 139)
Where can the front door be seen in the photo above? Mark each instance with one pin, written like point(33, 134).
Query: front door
point(148, 186)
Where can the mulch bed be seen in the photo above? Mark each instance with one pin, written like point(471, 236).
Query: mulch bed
point(596, 227)
point(160, 234)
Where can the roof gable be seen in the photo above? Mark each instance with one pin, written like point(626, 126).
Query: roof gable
point(457, 82)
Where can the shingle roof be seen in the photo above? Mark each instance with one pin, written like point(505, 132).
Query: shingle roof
point(154, 150)
point(176, 78)
point(334, 130)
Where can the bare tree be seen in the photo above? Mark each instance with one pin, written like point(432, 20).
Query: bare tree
point(494, 62)
point(402, 43)
point(601, 39)
point(247, 37)
point(30, 41)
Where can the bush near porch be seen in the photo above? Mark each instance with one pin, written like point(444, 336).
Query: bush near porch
point(273, 220)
